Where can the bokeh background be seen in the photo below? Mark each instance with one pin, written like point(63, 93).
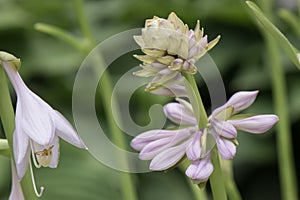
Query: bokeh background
point(50, 65)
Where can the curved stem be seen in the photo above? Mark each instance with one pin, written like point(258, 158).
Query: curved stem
point(216, 178)
point(105, 90)
point(8, 122)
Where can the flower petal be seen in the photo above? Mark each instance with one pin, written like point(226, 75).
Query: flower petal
point(20, 139)
point(16, 189)
point(224, 128)
point(36, 121)
point(167, 158)
point(173, 90)
point(193, 150)
point(146, 137)
point(226, 148)
point(240, 101)
point(22, 164)
point(255, 124)
point(179, 114)
point(55, 152)
point(200, 170)
point(65, 130)
point(155, 147)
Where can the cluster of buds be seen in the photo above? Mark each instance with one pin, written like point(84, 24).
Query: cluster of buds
point(167, 147)
point(170, 48)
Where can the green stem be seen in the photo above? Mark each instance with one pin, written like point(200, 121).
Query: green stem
point(127, 184)
point(231, 187)
point(284, 143)
point(216, 178)
point(8, 121)
point(63, 35)
point(83, 21)
point(287, 173)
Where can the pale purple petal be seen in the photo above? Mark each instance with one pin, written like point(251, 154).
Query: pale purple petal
point(21, 150)
point(167, 158)
point(200, 170)
point(224, 128)
point(66, 131)
point(146, 137)
point(153, 148)
point(16, 189)
point(55, 152)
point(193, 150)
point(255, 124)
point(37, 121)
point(179, 114)
point(23, 164)
point(173, 90)
point(240, 101)
point(226, 148)
point(20, 140)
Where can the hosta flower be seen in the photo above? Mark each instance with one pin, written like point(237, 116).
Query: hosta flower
point(225, 121)
point(38, 126)
point(165, 148)
point(170, 47)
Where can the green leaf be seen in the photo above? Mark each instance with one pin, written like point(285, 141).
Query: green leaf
point(270, 28)
point(291, 19)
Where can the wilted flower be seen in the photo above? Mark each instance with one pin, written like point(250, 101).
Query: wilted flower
point(170, 48)
point(38, 125)
point(224, 122)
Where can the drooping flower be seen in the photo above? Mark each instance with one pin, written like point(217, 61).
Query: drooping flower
point(37, 125)
point(170, 47)
point(225, 121)
point(165, 148)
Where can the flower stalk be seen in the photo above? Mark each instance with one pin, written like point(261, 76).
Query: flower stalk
point(216, 178)
point(127, 184)
point(283, 136)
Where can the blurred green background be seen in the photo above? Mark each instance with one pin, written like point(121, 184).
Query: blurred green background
point(50, 65)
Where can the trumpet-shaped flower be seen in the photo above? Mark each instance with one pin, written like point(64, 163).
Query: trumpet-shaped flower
point(170, 47)
point(37, 126)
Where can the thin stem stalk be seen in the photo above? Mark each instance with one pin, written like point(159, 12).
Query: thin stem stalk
point(127, 184)
point(286, 164)
point(216, 178)
point(8, 121)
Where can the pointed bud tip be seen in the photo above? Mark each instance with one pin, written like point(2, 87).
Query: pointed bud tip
point(10, 59)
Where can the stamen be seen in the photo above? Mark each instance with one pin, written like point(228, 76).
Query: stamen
point(38, 194)
point(36, 164)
